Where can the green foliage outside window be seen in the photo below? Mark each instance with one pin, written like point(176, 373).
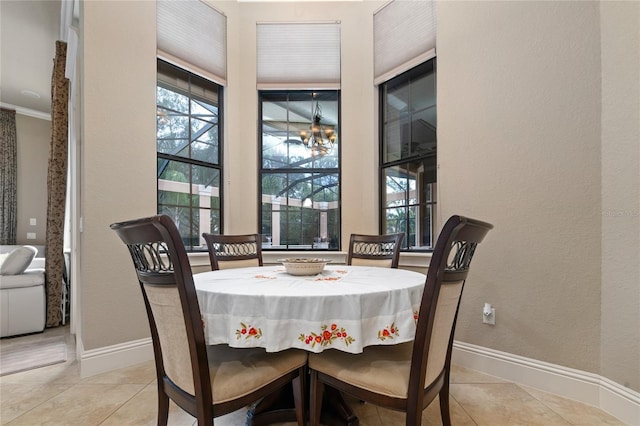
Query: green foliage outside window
point(189, 152)
point(408, 160)
point(299, 184)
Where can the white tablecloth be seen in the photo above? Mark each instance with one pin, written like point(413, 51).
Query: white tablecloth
point(345, 307)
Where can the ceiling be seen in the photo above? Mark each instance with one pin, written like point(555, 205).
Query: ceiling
point(28, 32)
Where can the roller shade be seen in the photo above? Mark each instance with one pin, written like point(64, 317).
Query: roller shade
point(193, 35)
point(404, 34)
point(298, 55)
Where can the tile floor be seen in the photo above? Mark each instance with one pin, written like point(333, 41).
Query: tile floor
point(56, 395)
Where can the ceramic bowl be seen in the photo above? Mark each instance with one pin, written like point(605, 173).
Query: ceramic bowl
point(304, 266)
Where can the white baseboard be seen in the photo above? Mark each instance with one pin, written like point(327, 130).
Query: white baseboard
point(589, 388)
point(109, 358)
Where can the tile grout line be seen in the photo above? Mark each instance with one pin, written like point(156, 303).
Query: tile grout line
point(124, 403)
point(546, 405)
point(461, 406)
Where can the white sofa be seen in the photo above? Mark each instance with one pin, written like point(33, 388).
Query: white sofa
point(22, 296)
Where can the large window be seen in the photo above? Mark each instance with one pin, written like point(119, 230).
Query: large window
point(300, 170)
point(189, 141)
point(408, 156)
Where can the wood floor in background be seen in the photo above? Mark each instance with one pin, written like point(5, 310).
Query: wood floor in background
point(18, 354)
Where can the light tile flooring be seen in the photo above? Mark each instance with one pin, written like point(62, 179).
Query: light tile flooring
point(56, 395)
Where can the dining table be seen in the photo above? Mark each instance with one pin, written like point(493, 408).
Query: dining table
point(345, 308)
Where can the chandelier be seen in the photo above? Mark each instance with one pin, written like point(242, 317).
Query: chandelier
point(319, 139)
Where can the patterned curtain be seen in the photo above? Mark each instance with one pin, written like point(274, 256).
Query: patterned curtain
point(8, 173)
point(57, 187)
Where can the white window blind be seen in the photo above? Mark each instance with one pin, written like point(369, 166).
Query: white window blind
point(298, 55)
point(193, 35)
point(404, 36)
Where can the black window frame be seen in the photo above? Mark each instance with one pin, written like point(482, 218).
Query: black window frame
point(428, 159)
point(194, 234)
point(313, 95)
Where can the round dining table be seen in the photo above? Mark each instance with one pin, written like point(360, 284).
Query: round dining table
point(344, 307)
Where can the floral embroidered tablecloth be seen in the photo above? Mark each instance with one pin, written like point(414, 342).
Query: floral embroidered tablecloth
point(344, 307)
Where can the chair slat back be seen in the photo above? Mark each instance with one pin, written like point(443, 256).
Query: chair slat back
point(437, 317)
point(375, 250)
point(165, 278)
point(233, 251)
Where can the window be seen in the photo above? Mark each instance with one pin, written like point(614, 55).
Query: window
point(299, 180)
point(408, 156)
point(189, 152)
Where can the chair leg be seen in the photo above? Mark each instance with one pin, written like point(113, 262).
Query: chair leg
point(163, 408)
point(298, 396)
point(444, 404)
point(315, 409)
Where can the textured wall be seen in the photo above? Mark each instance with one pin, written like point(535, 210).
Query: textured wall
point(118, 144)
point(520, 143)
point(620, 28)
point(519, 146)
point(118, 163)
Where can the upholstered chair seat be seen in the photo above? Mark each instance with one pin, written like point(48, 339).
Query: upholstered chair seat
point(236, 372)
point(381, 369)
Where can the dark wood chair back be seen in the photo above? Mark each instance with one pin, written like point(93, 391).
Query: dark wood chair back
point(233, 251)
point(435, 329)
point(375, 250)
point(165, 278)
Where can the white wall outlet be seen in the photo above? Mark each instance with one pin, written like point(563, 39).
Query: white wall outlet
point(33, 221)
point(31, 235)
point(489, 314)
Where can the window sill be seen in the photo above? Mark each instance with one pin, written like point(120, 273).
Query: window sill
point(417, 261)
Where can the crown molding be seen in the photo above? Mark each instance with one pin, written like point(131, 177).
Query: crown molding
point(27, 111)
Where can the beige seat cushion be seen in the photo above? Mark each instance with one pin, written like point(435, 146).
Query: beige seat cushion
point(380, 263)
point(381, 369)
point(236, 372)
point(231, 264)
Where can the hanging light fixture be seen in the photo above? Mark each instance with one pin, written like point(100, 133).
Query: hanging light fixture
point(319, 139)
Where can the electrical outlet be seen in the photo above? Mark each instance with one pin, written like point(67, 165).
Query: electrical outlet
point(33, 221)
point(489, 315)
point(31, 235)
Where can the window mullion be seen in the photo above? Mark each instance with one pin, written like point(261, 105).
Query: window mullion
point(188, 184)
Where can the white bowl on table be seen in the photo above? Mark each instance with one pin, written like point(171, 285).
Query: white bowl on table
point(304, 266)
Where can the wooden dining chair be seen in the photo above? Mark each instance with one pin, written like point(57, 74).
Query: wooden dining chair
point(374, 250)
point(408, 376)
point(233, 251)
point(205, 381)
